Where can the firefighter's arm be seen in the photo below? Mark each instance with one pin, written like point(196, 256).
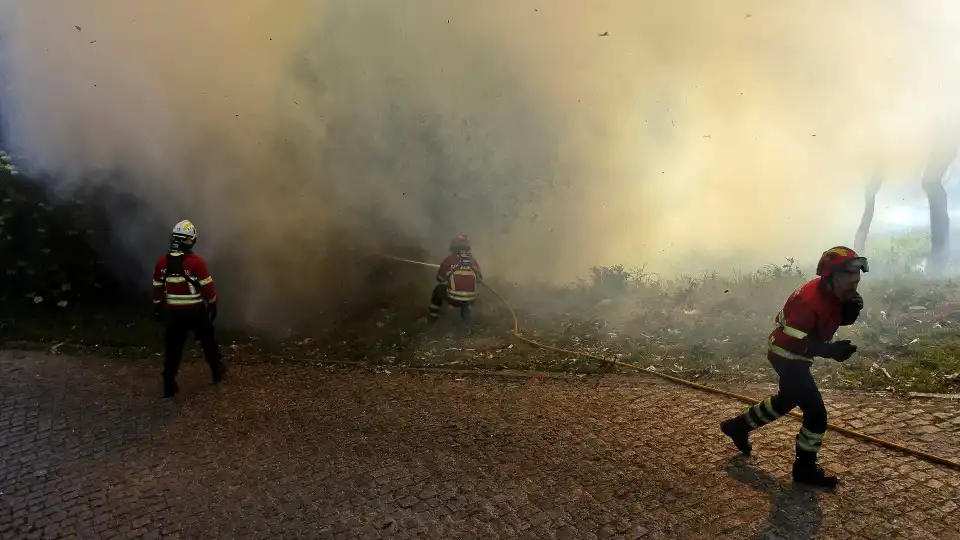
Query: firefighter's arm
point(851, 310)
point(476, 268)
point(801, 319)
point(797, 325)
point(157, 290)
point(797, 322)
point(443, 273)
point(205, 280)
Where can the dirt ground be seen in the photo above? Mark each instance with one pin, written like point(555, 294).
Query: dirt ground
point(88, 450)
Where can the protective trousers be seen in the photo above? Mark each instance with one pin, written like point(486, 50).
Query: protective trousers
point(179, 324)
point(439, 296)
point(797, 389)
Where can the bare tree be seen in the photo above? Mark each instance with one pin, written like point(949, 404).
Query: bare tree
point(934, 174)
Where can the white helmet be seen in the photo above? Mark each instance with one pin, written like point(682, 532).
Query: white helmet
point(183, 237)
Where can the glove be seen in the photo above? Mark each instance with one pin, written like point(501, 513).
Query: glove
point(837, 350)
point(212, 311)
point(845, 350)
point(158, 313)
point(850, 310)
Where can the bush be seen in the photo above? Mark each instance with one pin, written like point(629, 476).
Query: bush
point(48, 245)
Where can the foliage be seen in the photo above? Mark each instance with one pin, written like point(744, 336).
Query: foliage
point(48, 246)
point(716, 326)
point(711, 325)
point(901, 254)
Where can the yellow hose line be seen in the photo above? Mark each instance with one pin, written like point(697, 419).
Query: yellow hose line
point(839, 429)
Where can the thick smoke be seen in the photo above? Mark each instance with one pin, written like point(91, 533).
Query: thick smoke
point(559, 135)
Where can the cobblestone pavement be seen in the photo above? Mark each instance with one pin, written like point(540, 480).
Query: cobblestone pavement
point(87, 450)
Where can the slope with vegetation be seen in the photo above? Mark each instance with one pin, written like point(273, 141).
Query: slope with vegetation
point(57, 292)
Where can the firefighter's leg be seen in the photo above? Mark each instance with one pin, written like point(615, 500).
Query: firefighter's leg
point(174, 340)
point(436, 300)
point(466, 312)
point(756, 416)
point(810, 437)
point(768, 410)
point(203, 328)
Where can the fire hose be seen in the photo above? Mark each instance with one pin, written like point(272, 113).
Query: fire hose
point(690, 384)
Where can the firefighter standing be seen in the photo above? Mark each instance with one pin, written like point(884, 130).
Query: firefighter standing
point(458, 280)
point(805, 329)
point(184, 295)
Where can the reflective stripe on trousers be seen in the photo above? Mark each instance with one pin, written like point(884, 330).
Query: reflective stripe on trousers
point(761, 414)
point(809, 441)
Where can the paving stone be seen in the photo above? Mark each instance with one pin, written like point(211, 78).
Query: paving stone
point(87, 449)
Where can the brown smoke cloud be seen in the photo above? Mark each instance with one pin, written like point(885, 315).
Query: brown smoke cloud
point(694, 128)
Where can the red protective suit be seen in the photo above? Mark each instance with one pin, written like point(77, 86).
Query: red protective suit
point(461, 273)
point(182, 282)
point(810, 313)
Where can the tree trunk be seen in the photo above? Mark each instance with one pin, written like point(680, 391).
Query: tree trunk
point(932, 181)
point(860, 241)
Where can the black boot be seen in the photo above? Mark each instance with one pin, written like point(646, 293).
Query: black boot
point(466, 313)
point(170, 388)
point(218, 370)
point(806, 471)
point(737, 429)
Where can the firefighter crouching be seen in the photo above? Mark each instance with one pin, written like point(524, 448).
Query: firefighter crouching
point(805, 327)
point(458, 280)
point(184, 295)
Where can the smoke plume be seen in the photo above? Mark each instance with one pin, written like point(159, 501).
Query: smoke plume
point(559, 135)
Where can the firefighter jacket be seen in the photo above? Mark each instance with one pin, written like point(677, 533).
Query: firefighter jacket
point(461, 273)
point(811, 313)
point(181, 281)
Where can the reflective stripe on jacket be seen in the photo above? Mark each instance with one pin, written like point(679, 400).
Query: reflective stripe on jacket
point(810, 314)
point(186, 288)
point(461, 273)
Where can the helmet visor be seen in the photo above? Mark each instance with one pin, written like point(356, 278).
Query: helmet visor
point(857, 264)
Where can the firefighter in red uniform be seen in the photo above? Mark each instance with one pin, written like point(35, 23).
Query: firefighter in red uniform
point(805, 329)
point(458, 280)
point(183, 294)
